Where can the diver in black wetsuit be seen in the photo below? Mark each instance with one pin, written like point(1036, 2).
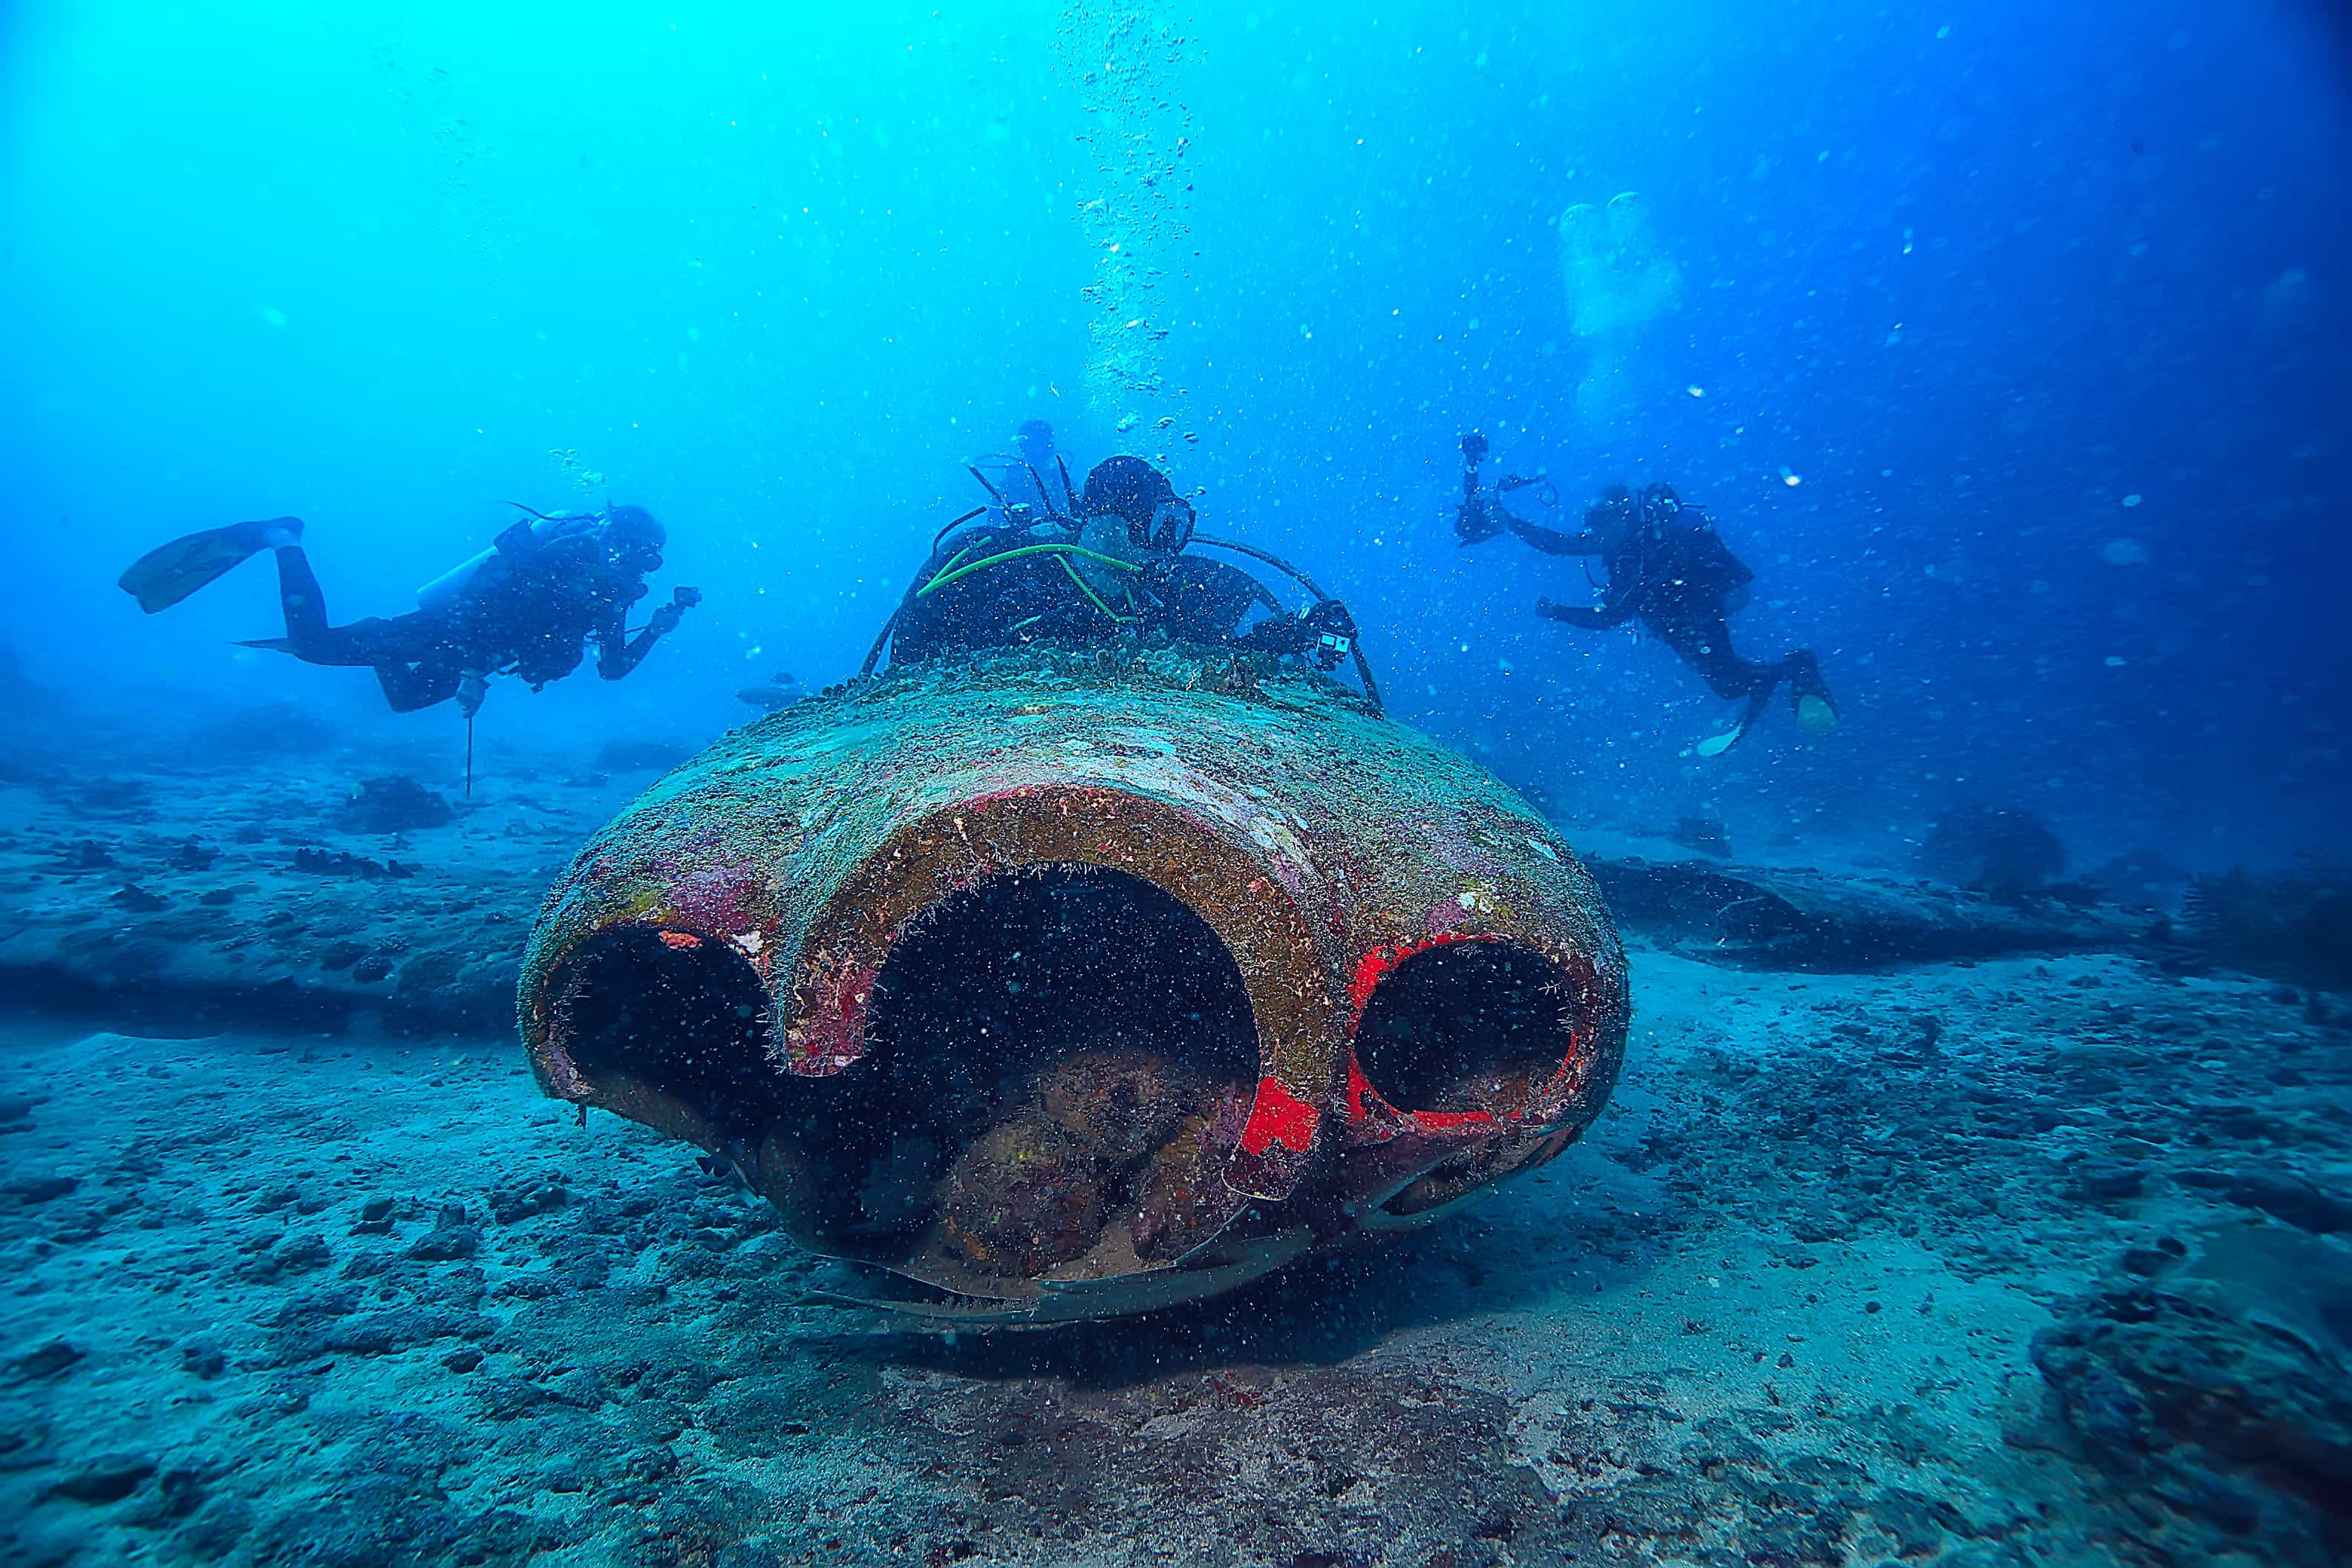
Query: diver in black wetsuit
point(1667, 566)
point(1116, 569)
point(526, 607)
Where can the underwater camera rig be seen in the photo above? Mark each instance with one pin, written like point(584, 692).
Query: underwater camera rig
point(1482, 514)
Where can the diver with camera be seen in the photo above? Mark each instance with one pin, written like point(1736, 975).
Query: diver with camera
point(527, 606)
point(1668, 570)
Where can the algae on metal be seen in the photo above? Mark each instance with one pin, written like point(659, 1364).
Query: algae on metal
point(711, 961)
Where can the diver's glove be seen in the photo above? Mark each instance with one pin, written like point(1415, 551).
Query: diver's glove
point(471, 688)
point(1477, 518)
point(666, 619)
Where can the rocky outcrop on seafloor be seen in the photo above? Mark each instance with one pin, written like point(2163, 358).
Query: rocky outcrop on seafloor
point(1795, 917)
point(243, 893)
point(1995, 849)
point(2293, 925)
point(198, 897)
point(2215, 1393)
point(393, 803)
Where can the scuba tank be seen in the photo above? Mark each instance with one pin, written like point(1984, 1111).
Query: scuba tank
point(484, 567)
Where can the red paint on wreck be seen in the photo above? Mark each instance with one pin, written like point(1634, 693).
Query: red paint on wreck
point(1279, 1117)
point(836, 1035)
point(1375, 965)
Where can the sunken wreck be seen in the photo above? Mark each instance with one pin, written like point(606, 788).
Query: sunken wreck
point(1059, 985)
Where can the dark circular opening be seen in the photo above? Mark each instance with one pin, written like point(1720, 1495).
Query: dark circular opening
point(682, 1013)
point(1469, 1026)
point(1050, 1054)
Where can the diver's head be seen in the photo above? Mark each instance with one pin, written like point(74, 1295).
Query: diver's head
point(1034, 442)
point(1614, 513)
point(1659, 502)
point(633, 538)
point(1130, 496)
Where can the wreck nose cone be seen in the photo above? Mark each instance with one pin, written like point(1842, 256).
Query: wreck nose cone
point(1084, 990)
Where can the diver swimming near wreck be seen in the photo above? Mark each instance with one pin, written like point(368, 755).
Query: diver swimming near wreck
point(1017, 480)
point(1115, 565)
point(527, 606)
point(1668, 568)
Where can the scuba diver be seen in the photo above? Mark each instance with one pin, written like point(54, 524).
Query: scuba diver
point(525, 606)
point(1016, 480)
point(1667, 566)
point(1113, 566)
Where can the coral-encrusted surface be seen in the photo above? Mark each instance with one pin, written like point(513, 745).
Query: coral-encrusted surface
point(1365, 835)
point(1322, 846)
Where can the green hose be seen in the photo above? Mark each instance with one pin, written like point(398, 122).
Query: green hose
point(946, 577)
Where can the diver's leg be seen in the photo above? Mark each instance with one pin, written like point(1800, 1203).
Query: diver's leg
point(307, 636)
point(304, 602)
point(1705, 644)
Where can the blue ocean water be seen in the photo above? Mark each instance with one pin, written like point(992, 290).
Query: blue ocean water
point(2006, 343)
point(1969, 309)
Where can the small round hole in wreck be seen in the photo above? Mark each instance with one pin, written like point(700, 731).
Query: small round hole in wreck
point(673, 1010)
point(1467, 1027)
point(1057, 1062)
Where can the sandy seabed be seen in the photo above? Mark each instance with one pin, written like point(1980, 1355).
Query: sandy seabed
point(1849, 1272)
point(2017, 1259)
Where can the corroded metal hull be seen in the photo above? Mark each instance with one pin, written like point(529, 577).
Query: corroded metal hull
point(1071, 985)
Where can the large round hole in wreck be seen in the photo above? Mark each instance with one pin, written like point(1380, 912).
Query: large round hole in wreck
point(674, 1011)
point(1058, 1061)
point(1467, 1027)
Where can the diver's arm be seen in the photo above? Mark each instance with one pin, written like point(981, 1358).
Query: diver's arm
point(617, 653)
point(1593, 618)
point(1551, 540)
point(615, 659)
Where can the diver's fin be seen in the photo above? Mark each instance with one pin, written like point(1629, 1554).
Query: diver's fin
point(1816, 714)
point(1716, 745)
point(169, 574)
point(275, 645)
